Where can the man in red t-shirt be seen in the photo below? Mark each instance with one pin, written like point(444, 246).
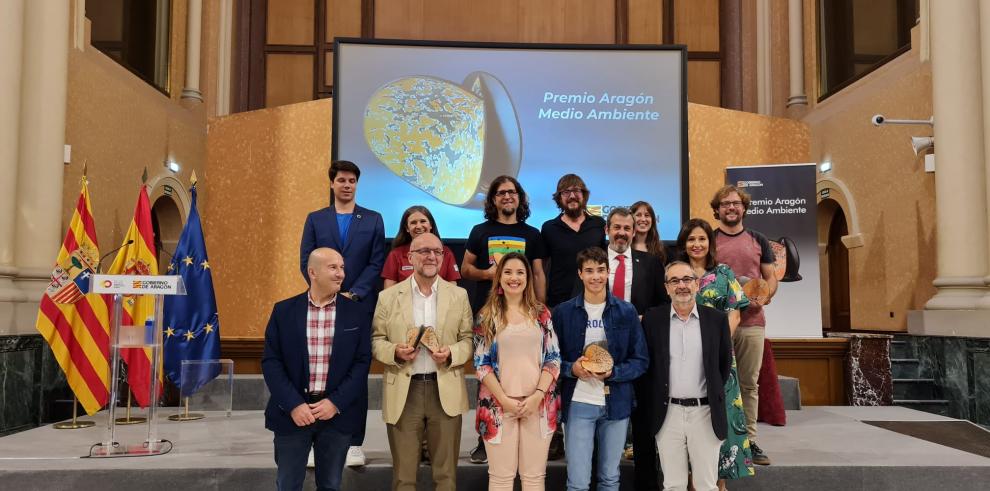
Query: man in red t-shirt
point(749, 255)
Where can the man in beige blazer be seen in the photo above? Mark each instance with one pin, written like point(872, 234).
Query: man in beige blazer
point(423, 391)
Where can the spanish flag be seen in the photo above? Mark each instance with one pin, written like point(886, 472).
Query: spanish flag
point(76, 323)
point(138, 258)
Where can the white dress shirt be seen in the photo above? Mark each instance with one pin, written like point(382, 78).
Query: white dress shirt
point(613, 264)
point(424, 314)
point(687, 369)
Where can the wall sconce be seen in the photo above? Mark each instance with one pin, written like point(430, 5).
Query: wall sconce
point(172, 166)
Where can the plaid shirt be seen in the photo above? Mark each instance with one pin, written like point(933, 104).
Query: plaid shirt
point(319, 339)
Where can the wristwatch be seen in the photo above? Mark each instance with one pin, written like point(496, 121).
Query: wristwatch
point(355, 297)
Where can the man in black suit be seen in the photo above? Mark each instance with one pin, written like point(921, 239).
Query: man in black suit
point(690, 357)
point(636, 277)
point(316, 360)
point(640, 274)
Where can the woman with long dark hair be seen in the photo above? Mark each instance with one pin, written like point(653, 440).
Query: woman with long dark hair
point(517, 361)
point(416, 220)
point(719, 289)
point(647, 238)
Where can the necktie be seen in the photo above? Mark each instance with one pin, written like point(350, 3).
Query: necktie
point(619, 285)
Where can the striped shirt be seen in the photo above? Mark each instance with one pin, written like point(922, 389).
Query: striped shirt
point(319, 339)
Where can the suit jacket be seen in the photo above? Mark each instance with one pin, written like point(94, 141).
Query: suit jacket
point(393, 318)
point(647, 282)
point(285, 364)
point(647, 288)
point(364, 250)
point(653, 390)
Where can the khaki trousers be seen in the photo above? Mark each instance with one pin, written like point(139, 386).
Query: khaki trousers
point(687, 433)
point(424, 414)
point(748, 344)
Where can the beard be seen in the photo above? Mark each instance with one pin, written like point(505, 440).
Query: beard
point(734, 222)
point(574, 212)
point(507, 211)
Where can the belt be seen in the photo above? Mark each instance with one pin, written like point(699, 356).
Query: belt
point(314, 397)
point(425, 376)
point(689, 402)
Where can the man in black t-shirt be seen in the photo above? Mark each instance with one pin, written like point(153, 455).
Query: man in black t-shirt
point(505, 230)
point(574, 230)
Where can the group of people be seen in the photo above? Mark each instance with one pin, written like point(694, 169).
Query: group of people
point(598, 341)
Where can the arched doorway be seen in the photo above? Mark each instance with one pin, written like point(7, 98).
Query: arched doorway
point(832, 227)
point(166, 223)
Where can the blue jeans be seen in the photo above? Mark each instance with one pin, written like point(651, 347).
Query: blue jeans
point(586, 428)
point(329, 451)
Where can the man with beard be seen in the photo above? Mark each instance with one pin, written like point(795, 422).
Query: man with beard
point(424, 393)
point(636, 277)
point(690, 355)
point(749, 255)
point(574, 230)
point(504, 231)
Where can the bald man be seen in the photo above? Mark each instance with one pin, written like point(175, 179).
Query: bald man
point(424, 392)
point(316, 361)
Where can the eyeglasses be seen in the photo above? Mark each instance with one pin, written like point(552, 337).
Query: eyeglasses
point(506, 192)
point(426, 252)
point(687, 280)
point(729, 204)
point(572, 192)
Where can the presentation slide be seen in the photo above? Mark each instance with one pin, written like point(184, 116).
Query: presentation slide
point(433, 125)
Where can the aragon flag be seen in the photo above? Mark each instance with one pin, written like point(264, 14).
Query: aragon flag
point(74, 322)
point(192, 325)
point(138, 258)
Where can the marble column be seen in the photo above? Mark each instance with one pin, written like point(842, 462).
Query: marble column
point(11, 30)
point(960, 185)
point(764, 46)
point(795, 43)
point(38, 226)
point(194, 34)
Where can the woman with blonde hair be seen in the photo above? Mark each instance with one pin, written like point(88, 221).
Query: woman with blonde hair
point(517, 360)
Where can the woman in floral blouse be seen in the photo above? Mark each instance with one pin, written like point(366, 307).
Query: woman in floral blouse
point(517, 360)
point(719, 289)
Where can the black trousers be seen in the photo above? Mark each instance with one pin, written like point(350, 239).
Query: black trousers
point(647, 473)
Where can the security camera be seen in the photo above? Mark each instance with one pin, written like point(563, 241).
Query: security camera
point(880, 120)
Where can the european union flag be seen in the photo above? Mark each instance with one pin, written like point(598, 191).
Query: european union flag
point(191, 322)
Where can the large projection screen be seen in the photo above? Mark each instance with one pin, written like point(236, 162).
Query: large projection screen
point(433, 123)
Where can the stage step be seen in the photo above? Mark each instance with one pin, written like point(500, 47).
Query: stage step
point(901, 349)
point(251, 393)
point(901, 368)
point(934, 406)
point(914, 389)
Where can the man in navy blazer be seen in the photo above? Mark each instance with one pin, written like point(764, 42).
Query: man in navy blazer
point(356, 232)
point(316, 361)
point(359, 235)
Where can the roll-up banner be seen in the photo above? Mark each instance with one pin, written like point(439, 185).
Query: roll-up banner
point(783, 207)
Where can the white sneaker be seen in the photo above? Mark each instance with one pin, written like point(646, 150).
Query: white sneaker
point(355, 457)
point(310, 463)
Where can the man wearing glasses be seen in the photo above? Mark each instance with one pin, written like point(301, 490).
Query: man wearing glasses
point(690, 356)
point(424, 391)
point(749, 255)
point(574, 230)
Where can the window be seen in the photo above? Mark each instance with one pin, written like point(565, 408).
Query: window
point(135, 33)
point(857, 36)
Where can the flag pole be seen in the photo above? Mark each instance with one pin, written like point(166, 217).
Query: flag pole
point(75, 423)
point(128, 420)
point(186, 415)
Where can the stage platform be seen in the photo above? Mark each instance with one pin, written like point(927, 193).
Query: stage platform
point(827, 448)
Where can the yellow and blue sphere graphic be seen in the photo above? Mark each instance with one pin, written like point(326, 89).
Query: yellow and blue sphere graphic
point(429, 132)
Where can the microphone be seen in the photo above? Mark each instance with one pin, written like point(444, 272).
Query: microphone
point(129, 242)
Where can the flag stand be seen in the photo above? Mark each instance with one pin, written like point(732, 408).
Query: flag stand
point(75, 424)
point(128, 419)
point(186, 415)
